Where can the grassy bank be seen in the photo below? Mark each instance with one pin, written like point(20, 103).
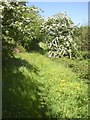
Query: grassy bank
point(37, 86)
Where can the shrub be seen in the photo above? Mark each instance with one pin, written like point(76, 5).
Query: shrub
point(61, 36)
point(20, 24)
point(83, 38)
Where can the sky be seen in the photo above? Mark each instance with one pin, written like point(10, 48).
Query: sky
point(77, 11)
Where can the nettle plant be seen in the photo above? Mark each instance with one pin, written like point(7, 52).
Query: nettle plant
point(61, 36)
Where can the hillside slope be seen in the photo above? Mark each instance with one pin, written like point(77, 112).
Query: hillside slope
point(37, 86)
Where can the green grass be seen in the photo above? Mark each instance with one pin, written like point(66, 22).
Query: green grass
point(37, 86)
point(79, 67)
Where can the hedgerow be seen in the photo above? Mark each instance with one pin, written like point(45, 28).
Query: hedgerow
point(20, 25)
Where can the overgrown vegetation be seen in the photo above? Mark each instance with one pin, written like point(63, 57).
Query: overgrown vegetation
point(35, 86)
point(84, 41)
point(20, 25)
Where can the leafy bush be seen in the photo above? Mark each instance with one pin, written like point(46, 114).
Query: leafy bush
point(83, 38)
point(61, 36)
point(20, 24)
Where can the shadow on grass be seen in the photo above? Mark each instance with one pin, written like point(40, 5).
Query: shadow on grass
point(37, 48)
point(20, 92)
point(40, 50)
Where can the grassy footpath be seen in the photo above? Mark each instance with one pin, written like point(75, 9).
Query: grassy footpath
point(37, 86)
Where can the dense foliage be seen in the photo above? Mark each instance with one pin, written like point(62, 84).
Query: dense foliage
point(83, 38)
point(83, 44)
point(20, 25)
point(24, 26)
point(61, 36)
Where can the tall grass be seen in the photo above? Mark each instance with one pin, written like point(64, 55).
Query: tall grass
point(36, 86)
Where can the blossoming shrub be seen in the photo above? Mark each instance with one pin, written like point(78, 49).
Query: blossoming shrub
point(20, 25)
point(61, 36)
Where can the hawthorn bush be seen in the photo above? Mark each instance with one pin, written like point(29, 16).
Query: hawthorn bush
point(61, 36)
point(20, 25)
